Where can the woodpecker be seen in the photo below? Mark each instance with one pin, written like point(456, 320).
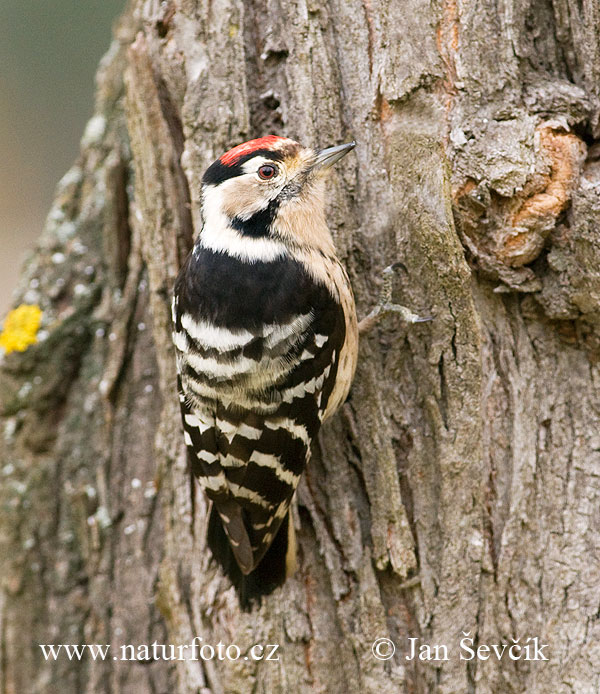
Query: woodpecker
point(266, 340)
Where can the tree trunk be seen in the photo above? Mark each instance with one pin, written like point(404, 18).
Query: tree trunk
point(458, 489)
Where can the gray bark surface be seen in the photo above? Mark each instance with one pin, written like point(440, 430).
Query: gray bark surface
point(458, 489)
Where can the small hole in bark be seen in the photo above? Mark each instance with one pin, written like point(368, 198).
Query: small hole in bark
point(584, 131)
point(164, 23)
point(271, 102)
point(272, 57)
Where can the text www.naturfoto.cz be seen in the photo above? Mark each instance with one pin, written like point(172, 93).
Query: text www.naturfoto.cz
point(160, 651)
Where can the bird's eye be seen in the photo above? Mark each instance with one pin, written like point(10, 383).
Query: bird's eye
point(266, 172)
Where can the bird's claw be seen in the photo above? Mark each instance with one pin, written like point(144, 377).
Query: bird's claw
point(405, 313)
point(386, 305)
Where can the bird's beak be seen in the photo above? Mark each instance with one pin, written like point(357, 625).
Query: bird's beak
point(328, 157)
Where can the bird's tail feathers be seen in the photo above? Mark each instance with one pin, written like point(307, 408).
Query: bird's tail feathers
point(277, 564)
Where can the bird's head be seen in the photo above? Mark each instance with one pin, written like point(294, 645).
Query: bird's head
point(266, 195)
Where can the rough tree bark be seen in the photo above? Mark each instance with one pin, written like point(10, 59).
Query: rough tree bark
point(459, 487)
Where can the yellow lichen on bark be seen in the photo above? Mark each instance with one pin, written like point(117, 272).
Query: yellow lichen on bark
point(21, 328)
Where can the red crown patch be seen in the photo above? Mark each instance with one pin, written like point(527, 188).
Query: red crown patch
point(231, 157)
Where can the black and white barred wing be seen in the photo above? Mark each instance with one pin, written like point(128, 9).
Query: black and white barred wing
point(200, 433)
point(262, 457)
point(249, 451)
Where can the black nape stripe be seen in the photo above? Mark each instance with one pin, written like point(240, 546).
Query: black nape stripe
point(259, 225)
point(218, 172)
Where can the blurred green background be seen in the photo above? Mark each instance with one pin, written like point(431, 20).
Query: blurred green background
point(49, 51)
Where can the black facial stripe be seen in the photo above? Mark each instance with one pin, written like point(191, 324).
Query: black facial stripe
point(218, 172)
point(259, 225)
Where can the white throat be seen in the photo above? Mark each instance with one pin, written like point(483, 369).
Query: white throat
point(217, 234)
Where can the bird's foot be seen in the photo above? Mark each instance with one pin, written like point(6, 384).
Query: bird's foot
point(385, 304)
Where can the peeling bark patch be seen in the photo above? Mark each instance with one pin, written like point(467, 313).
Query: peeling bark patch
point(565, 154)
point(507, 228)
point(382, 107)
point(447, 45)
